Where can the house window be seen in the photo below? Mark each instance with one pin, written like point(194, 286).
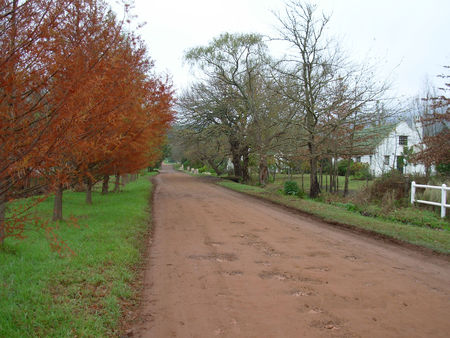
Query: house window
point(403, 140)
point(386, 160)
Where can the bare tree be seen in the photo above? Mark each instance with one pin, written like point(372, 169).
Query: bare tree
point(269, 131)
point(323, 86)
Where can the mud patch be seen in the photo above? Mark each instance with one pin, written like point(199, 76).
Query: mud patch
point(254, 241)
point(247, 235)
point(231, 273)
point(271, 252)
point(260, 230)
point(318, 254)
point(213, 243)
point(303, 292)
point(288, 239)
point(315, 311)
point(287, 276)
point(318, 268)
point(326, 324)
point(215, 257)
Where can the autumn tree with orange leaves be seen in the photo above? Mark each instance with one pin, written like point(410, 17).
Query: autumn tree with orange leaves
point(436, 124)
point(78, 99)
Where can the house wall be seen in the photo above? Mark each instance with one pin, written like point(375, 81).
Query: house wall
point(390, 147)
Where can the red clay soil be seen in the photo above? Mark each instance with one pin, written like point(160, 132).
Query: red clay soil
point(226, 265)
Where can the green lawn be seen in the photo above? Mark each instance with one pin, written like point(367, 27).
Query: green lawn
point(281, 178)
point(435, 239)
point(43, 294)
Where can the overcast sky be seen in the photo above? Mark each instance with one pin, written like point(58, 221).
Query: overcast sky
point(409, 40)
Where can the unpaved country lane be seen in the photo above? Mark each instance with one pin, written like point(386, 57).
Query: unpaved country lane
point(225, 265)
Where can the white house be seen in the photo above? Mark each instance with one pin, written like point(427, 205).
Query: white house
point(388, 152)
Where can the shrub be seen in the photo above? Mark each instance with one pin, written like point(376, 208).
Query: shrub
point(392, 185)
point(371, 210)
point(418, 217)
point(351, 207)
point(348, 206)
point(342, 166)
point(360, 171)
point(291, 188)
point(301, 194)
point(443, 169)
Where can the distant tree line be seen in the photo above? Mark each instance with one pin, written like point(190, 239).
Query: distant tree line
point(307, 107)
point(310, 110)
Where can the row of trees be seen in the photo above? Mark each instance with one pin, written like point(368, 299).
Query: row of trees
point(309, 105)
point(78, 99)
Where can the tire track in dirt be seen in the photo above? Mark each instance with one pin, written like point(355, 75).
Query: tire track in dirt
point(222, 264)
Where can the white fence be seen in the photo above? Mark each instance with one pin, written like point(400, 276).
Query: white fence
point(443, 189)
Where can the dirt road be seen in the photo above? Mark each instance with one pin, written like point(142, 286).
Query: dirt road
point(225, 265)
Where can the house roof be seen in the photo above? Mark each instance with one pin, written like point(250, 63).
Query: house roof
point(369, 138)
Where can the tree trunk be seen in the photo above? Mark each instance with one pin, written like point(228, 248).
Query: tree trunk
point(215, 167)
point(314, 189)
point(427, 172)
point(236, 159)
point(2, 216)
point(117, 183)
point(89, 191)
point(263, 171)
point(245, 172)
point(321, 176)
point(105, 184)
point(57, 206)
point(337, 182)
point(347, 175)
point(336, 177)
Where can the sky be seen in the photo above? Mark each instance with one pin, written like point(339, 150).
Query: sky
point(407, 40)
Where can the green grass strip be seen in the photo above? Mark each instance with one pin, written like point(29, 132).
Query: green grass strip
point(43, 294)
point(437, 240)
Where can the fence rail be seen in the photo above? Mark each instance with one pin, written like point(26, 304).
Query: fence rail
point(443, 204)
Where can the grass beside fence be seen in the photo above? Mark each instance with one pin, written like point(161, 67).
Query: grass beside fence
point(435, 239)
point(354, 185)
point(43, 294)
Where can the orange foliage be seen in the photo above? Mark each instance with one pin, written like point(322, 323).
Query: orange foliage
point(437, 143)
point(77, 97)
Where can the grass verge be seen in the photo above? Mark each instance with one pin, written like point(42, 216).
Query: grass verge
point(43, 294)
point(436, 240)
